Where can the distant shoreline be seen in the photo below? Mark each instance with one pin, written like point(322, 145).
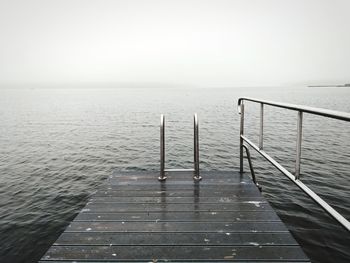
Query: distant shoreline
point(330, 86)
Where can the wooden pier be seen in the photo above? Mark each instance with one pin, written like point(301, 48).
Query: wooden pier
point(135, 218)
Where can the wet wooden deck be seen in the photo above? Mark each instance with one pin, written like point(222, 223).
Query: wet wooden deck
point(133, 217)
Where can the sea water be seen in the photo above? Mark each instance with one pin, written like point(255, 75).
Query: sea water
point(58, 145)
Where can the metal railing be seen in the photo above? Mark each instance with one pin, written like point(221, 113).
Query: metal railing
point(296, 177)
point(195, 170)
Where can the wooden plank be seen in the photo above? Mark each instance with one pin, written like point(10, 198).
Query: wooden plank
point(126, 207)
point(157, 226)
point(151, 181)
point(182, 187)
point(222, 216)
point(179, 193)
point(176, 252)
point(182, 261)
point(178, 175)
point(175, 178)
point(173, 199)
point(188, 239)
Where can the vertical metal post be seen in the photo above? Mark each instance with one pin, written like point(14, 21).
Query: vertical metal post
point(261, 133)
point(241, 130)
point(162, 176)
point(196, 176)
point(298, 150)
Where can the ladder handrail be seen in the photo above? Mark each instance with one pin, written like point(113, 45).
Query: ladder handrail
point(162, 176)
point(196, 147)
point(296, 177)
point(195, 170)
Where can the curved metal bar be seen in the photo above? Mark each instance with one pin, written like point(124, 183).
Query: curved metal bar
point(162, 176)
point(317, 111)
point(196, 176)
point(251, 167)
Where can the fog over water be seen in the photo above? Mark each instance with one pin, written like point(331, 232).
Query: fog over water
point(199, 43)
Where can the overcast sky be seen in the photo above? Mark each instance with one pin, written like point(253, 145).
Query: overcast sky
point(202, 43)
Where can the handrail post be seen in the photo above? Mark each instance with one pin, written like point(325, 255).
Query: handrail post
point(162, 176)
point(298, 148)
point(196, 176)
point(241, 131)
point(261, 133)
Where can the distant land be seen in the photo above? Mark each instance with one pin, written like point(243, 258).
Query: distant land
point(331, 85)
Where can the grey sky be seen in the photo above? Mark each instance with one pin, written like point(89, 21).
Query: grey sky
point(203, 43)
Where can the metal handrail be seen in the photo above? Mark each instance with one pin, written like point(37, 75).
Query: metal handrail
point(195, 170)
point(316, 111)
point(162, 176)
point(296, 177)
point(196, 148)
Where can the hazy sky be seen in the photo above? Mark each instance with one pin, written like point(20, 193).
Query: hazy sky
point(203, 43)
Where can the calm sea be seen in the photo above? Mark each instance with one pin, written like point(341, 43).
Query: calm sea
point(58, 145)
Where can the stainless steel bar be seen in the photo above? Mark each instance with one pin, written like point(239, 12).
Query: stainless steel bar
point(162, 176)
point(251, 167)
point(241, 131)
point(294, 178)
point(317, 111)
point(194, 145)
point(330, 210)
point(195, 170)
point(196, 176)
point(298, 148)
point(261, 132)
point(179, 170)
